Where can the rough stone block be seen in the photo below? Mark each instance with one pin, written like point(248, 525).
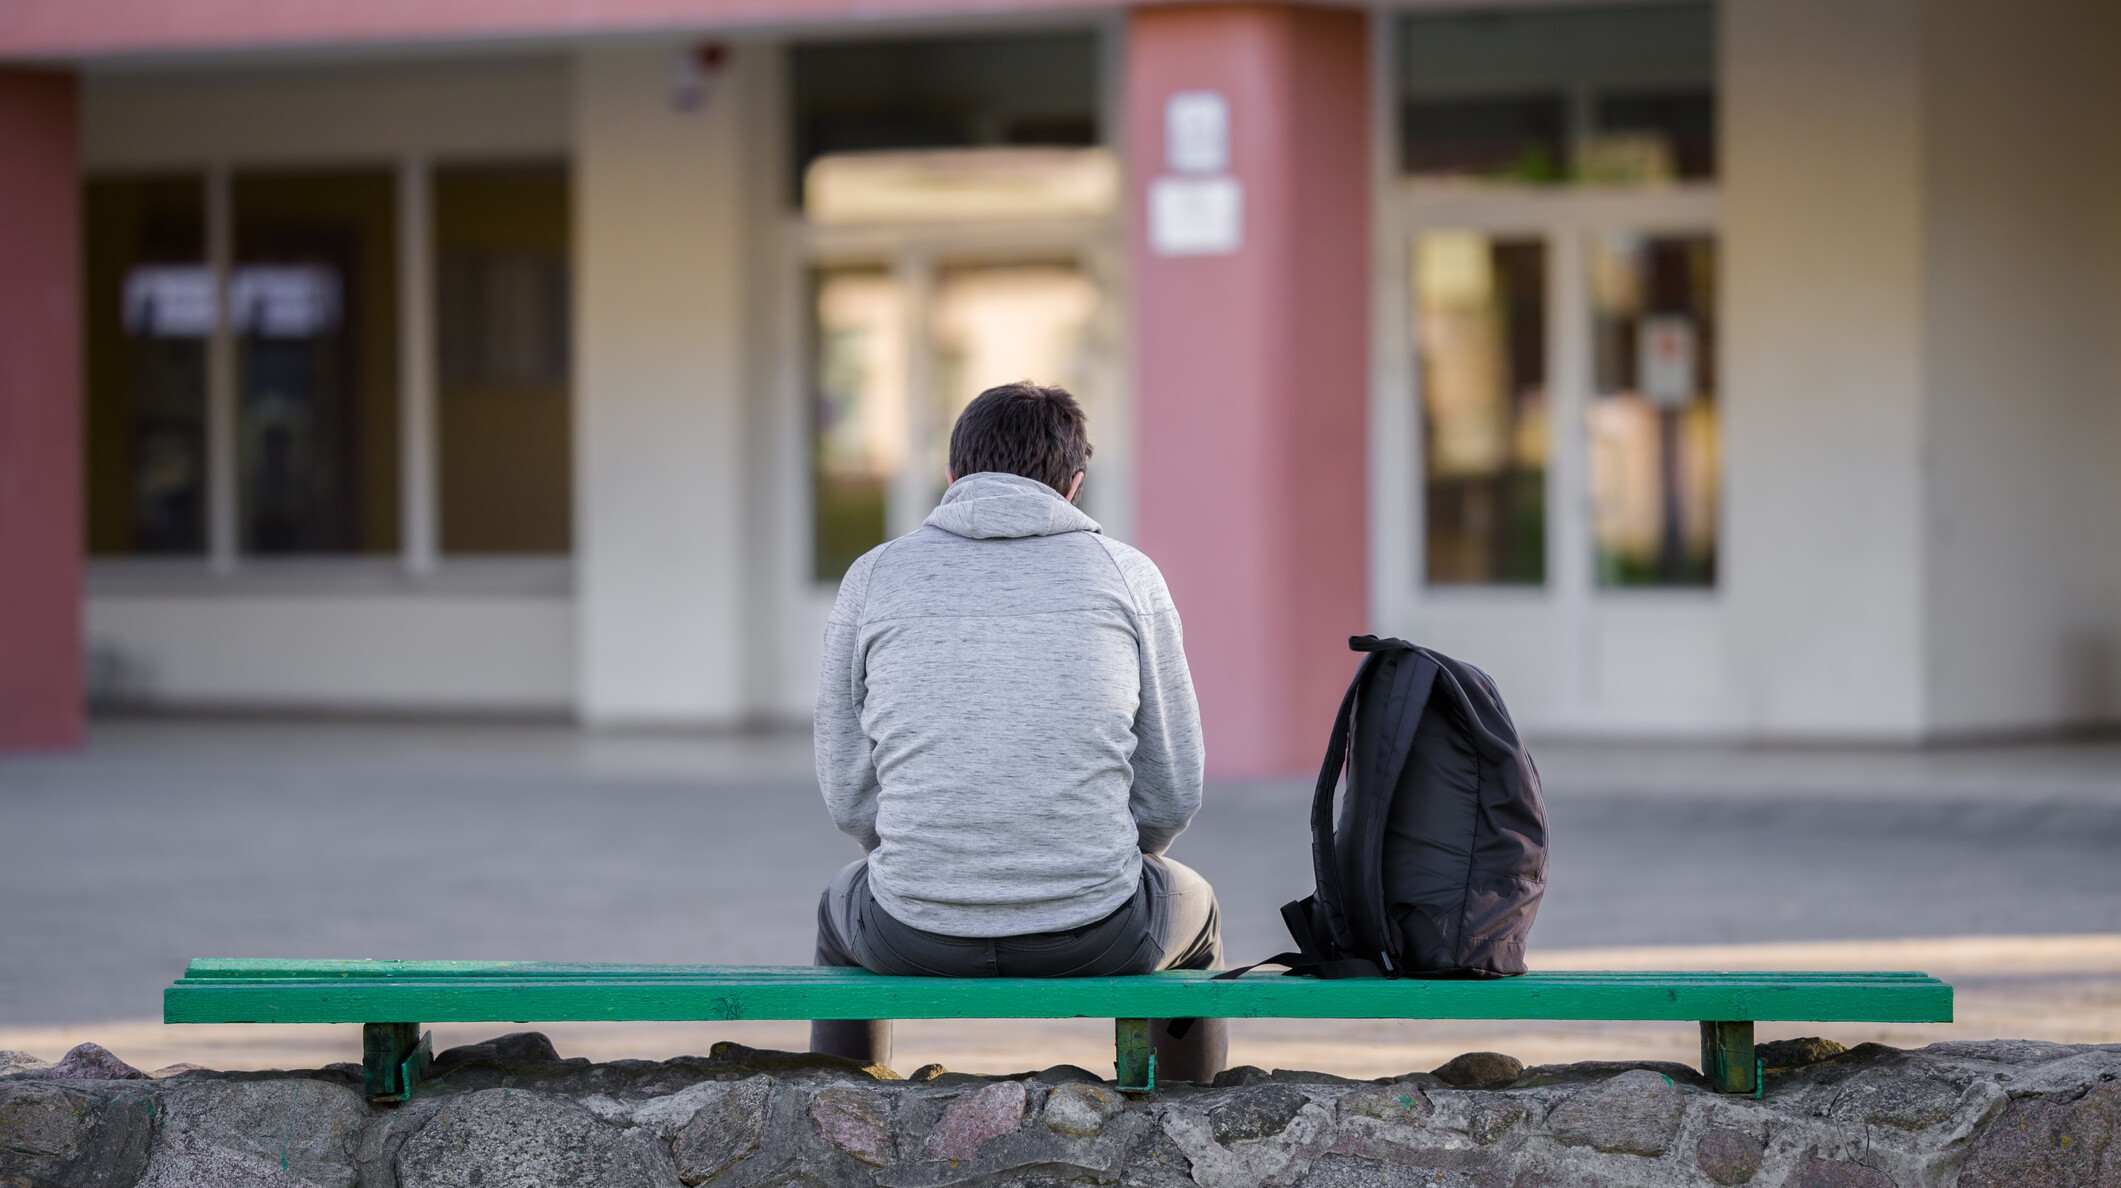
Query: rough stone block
point(1900, 1098)
point(56, 1136)
point(856, 1122)
point(1796, 1053)
point(1635, 1113)
point(1255, 1113)
point(1267, 1135)
point(972, 1120)
point(1728, 1156)
point(2053, 1142)
point(1403, 1104)
point(302, 1127)
point(92, 1062)
point(1343, 1171)
point(518, 1139)
point(1489, 1123)
point(13, 1063)
point(1081, 1110)
point(515, 1047)
point(1834, 1173)
point(187, 1161)
point(1479, 1070)
point(1031, 1155)
point(727, 1126)
point(746, 1059)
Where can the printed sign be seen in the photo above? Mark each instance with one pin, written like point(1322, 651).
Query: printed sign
point(284, 300)
point(1196, 216)
point(1665, 360)
point(1197, 132)
point(169, 301)
point(268, 300)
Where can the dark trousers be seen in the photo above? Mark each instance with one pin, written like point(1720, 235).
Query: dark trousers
point(1171, 922)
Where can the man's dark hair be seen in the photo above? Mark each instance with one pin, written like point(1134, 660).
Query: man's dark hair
point(1022, 428)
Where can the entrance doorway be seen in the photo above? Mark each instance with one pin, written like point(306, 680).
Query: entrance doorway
point(954, 225)
point(1552, 503)
point(1545, 432)
point(897, 351)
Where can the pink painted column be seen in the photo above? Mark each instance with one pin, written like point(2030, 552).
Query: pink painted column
point(1252, 365)
point(40, 413)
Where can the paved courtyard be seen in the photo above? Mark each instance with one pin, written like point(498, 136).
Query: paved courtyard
point(173, 838)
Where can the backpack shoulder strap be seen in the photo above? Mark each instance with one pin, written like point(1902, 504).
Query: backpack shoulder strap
point(1331, 911)
point(1379, 740)
point(1332, 908)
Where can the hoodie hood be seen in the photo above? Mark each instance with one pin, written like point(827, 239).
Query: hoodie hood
point(993, 506)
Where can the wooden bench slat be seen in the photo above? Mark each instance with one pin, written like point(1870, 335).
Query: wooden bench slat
point(225, 991)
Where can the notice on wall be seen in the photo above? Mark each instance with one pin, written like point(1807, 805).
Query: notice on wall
point(1197, 132)
point(1665, 358)
point(1196, 216)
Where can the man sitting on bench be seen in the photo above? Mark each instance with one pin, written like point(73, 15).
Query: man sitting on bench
point(1005, 722)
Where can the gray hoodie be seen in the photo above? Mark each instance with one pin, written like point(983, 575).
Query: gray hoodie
point(1004, 716)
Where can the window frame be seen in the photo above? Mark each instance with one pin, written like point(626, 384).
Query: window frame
point(418, 562)
point(1562, 219)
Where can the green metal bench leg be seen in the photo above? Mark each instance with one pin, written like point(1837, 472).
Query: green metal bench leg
point(1137, 1060)
point(1727, 1056)
point(395, 1057)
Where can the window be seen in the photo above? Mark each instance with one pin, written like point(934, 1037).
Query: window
point(998, 323)
point(987, 324)
point(902, 148)
point(950, 131)
point(1480, 332)
point(963, 92)
point(859, 431)
point(150, 307)
point(1610, 96)
point(304, 425)
point(502, 391)
point(1653, 423)
point(312, 302)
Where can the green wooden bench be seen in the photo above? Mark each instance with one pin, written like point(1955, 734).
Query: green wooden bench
point(382, 995)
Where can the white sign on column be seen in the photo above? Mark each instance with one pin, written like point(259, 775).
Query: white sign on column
point(1201, 211)
point(1197, 132)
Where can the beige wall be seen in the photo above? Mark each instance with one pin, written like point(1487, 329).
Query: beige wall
point(662, 328)
point(1923, 222)
point(333, 646)
point(1823, 235)
point(2022, 244)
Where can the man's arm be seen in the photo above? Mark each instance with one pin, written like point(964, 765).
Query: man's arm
point(845, 772)
point(1168, 755)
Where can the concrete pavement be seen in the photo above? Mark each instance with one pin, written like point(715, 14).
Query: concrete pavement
point(168, 839)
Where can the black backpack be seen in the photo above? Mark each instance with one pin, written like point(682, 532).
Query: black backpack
point(1437, 865)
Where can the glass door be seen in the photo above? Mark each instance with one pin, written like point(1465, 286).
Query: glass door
point(1562, 464)
point(898, 348)
point(1480, 330)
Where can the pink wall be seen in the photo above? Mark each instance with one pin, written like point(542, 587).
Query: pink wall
point(1252, 373)
point(40, 413)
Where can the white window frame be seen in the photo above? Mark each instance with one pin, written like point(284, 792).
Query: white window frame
point(1564, 219)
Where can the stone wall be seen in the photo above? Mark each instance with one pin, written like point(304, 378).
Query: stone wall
point(510, 1112)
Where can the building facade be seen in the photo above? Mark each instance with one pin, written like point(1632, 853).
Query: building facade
point(1742, 370)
